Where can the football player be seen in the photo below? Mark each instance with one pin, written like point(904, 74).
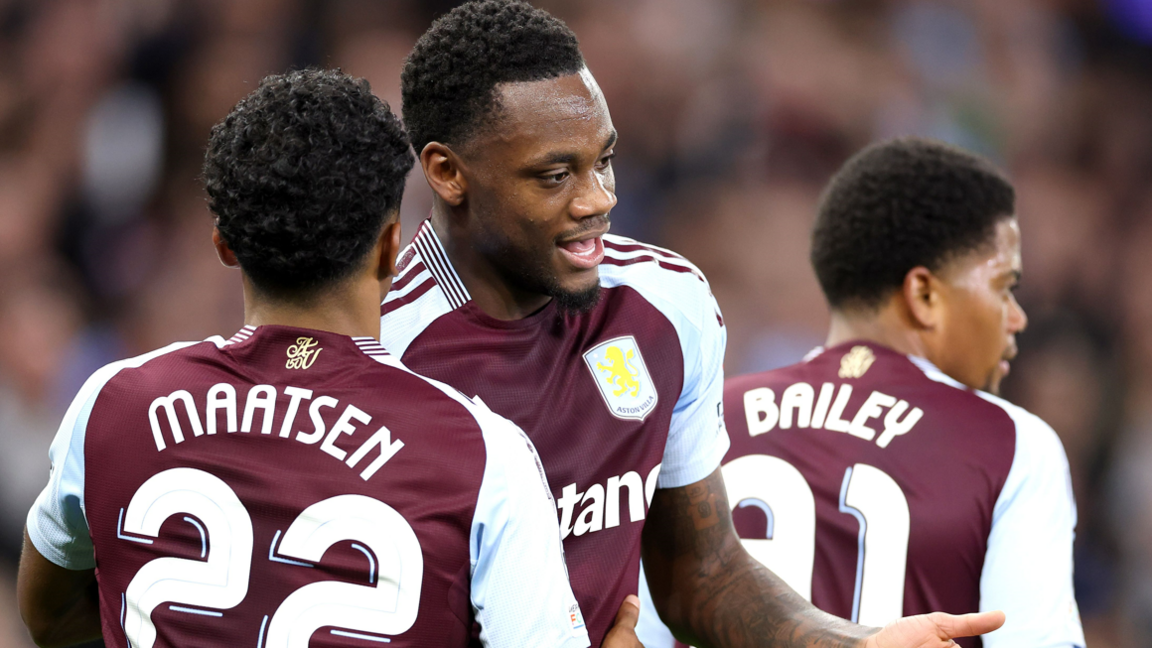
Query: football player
point(606, 351)
point(881, 476)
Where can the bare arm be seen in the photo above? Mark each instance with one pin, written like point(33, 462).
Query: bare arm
point(60, 606)
point(710, 592)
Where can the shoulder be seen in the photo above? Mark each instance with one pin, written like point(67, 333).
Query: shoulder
point(490, 424)
point(1037, 444)
point(736, 386)
point(668, 281)
point(973, 405)
point(148, 365)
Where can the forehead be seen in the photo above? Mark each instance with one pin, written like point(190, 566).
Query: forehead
point(567, 109)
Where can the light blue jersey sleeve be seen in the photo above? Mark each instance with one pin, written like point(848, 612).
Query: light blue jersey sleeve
point(57, 522)
point(520, 590)
point(697, 438)
point(1028, 566)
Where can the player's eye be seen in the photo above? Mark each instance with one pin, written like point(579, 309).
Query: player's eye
point(605, 161)
point(555, 177)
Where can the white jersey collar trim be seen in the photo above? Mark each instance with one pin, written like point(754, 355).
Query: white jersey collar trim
point(427, 243)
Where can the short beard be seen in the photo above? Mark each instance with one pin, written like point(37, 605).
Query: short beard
point(576, 303)
point(534, 276)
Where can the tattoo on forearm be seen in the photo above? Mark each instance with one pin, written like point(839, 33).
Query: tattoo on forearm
point(722, 596)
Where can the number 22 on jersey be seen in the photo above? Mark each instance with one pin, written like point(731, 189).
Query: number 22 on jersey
point(778, 489)
point(220, 582)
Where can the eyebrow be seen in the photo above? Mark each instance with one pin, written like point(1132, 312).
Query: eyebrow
point(567, 157)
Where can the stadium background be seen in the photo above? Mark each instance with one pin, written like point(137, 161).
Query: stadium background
point(732, 114)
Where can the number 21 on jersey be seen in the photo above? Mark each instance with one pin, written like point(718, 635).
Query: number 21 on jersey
point(387, 606)
point(871, 496)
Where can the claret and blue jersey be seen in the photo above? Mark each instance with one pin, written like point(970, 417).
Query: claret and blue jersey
point(618, 400)
point(878, 487)
point(290, 486)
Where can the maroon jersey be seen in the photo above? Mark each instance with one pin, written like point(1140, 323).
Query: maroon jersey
point(617, 400)
point(878, 488)
point(298, 487)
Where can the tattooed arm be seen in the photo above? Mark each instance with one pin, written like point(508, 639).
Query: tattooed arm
point(710, 592)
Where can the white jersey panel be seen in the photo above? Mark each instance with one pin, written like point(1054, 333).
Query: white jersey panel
point(1028, 565)
point(520, 590)
point(399, 327)
point(1028, 568)
point(697, 439)
point(57, 523)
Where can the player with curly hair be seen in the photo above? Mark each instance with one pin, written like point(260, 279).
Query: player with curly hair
point(894, 480)
point(295, 484)
point(606, 351)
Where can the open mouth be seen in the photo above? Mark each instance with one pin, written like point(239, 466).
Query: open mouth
point(585, 254)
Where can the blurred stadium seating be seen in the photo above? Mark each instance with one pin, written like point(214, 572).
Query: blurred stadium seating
point(732, 114)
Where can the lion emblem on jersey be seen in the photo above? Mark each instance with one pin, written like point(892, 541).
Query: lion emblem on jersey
point(620, 374)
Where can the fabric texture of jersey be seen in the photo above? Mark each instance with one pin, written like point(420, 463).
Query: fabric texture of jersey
point(878, 487)
point(618, 401)
point(292, 486)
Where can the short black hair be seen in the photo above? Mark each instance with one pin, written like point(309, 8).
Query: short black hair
point(449, 81)
point(301, 176)
point(900, 204)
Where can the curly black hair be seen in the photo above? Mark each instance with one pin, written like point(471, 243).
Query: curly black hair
point(900, 204)
point(301, 176)
point(449, 81)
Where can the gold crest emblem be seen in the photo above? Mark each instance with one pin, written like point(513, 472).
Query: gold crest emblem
point(856, 362)
point(621, 375)
point(302, 354)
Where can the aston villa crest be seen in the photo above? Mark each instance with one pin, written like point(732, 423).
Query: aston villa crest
point(619, 372)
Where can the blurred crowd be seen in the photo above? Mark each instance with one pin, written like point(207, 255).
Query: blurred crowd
point(732, 115)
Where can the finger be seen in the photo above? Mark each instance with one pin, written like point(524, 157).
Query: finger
point(629, 612)
point(967, 625)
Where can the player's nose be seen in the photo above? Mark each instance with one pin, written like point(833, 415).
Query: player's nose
point(596, 199)
point(1017, 318)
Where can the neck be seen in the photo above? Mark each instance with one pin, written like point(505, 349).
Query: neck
point(486, 285)
point(351, 309)
point(886, 326)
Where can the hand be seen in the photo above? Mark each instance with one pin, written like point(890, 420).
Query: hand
point(934, 630)
point(623, 632)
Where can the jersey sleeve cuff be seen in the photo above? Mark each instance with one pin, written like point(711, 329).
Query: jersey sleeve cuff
point(701, 465)
point(71, 555)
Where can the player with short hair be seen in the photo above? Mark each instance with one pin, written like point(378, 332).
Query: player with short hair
point(296, 484)
point(881, 476)
point(606, 351)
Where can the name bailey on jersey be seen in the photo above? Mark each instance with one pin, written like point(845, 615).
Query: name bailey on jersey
point(221, 397)
point(799, 400)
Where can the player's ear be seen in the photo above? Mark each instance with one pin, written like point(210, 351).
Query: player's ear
point(389, 247)
point(443, 170)
point(921, 293)
point(223, 252)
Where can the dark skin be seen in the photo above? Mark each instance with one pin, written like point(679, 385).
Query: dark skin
point(59, 606)
point(537, 176)
point(963, 318)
